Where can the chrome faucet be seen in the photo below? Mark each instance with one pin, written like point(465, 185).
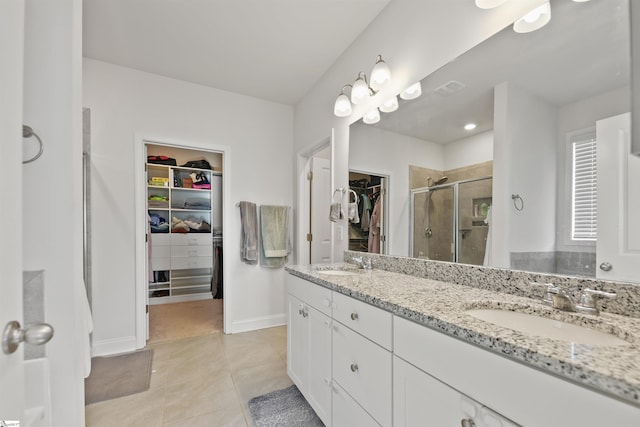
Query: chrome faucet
point(558, 298)
point(365, 264)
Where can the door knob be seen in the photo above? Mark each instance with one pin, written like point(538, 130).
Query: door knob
point(13, 335)
point(606, 266)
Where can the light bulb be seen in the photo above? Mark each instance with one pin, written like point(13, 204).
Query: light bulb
point(389, 105)
point(534, 20)
point(380, 74)
point(342, 107)
point(360, 90)
point(412, 92)
point(489, 4)
point(371, 117)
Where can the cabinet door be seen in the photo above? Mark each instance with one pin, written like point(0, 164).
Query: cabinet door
point(319, 390)
point(297, 344)
point(419, 399)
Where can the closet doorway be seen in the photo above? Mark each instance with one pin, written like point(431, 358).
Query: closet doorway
point(368, 229)
point(184, 241)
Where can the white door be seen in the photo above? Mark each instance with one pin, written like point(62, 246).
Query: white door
point(320, 202)
point(618, 201)
point(11, 83)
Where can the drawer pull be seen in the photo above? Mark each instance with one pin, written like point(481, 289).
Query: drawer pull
point(354, 367)
point(467, 422)
point(354, 316)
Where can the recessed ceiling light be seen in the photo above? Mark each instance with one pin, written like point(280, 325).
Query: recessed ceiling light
point(470, 126)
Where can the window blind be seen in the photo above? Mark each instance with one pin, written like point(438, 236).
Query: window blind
point(584, 186)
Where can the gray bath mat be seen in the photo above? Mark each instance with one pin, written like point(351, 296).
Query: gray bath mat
point(283, 408)
point(117, 376)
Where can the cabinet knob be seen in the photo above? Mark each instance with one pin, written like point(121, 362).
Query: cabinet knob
point(326, 302)
point(467, 422)
point(354, 367)
point(606, 266)
point(354, 316)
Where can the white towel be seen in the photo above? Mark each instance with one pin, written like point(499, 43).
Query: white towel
point(274, 232)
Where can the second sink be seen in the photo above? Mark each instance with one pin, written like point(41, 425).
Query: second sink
point(545, 327)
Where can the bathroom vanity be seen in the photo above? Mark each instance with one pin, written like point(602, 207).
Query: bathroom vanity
point(384, 348)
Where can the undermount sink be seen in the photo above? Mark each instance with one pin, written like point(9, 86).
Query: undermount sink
point(547, 328)
point(337, 272)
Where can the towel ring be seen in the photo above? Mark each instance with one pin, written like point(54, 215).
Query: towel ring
point(341, 191)
point(355, 196)
point(27, 132)
point(518, 203)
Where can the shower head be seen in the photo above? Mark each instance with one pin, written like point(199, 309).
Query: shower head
point(431, 183)
point(442, 180)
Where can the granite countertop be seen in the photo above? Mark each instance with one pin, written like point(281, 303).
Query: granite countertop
point(614, 370)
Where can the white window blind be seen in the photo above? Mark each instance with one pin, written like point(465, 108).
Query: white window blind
point(584, 186)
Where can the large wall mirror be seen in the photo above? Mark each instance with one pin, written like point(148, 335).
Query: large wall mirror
point(535, 100)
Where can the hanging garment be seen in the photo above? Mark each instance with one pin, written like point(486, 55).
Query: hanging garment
point(374, 229)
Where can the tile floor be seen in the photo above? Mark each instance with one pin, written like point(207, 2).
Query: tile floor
point(202, 381)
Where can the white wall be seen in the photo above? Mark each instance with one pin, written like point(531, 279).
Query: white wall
point(259, 135)
point(52, 185)
point(468, 151)
point(525, 129)
point(574, 117)
point(415, 38)
point(377, 151)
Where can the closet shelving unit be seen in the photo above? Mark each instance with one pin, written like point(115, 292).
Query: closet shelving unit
point(182, 262)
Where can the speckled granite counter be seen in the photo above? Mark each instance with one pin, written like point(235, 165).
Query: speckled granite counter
point(441, 306)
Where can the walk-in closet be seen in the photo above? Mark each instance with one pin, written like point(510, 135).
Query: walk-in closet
point(367, 212)
point(184, 241)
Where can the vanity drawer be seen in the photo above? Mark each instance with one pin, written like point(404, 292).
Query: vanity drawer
point(363, 369)
point(316, 296)
point(347, 412)
point(370, 321)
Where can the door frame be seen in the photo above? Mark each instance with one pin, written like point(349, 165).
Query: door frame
point(141, 225)
point(304, 198)
point(386, 206)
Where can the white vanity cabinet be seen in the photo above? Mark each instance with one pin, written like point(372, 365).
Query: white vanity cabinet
point(418, 397)
point(309, 343)
point(502, 386)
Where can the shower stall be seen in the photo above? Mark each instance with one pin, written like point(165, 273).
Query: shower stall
point(448, 220)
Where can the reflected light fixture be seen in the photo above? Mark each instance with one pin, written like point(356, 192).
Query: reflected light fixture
point(361, 89)
point(390, 105)
point(342, 107)
point(470, 126)
point(412, 92)
point(534, 20)
point(372, 116)
point(489, 4)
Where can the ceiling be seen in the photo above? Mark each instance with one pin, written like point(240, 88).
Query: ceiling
point(582, 52)
point(270, 49)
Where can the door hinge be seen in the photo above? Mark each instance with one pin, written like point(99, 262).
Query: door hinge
point(383, 238)
point(146, 237)
point(310, 176)
point(309, 237)
point(147, 308)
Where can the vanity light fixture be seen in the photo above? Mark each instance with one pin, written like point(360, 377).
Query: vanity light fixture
point(534, 20)
point(470, 126)
point(390, 105)
point(371, 117)
point(361, 89)
point(342, 107)
point(412, 92)
point(489, 4)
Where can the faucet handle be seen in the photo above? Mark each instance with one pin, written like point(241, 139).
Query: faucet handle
point(588, 300)
point(550, 289)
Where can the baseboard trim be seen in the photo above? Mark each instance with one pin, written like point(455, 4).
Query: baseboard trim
point(113, 346)
point(256, 323)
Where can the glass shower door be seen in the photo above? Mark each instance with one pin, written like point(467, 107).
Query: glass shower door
point(474, 201)
point(433, 224)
